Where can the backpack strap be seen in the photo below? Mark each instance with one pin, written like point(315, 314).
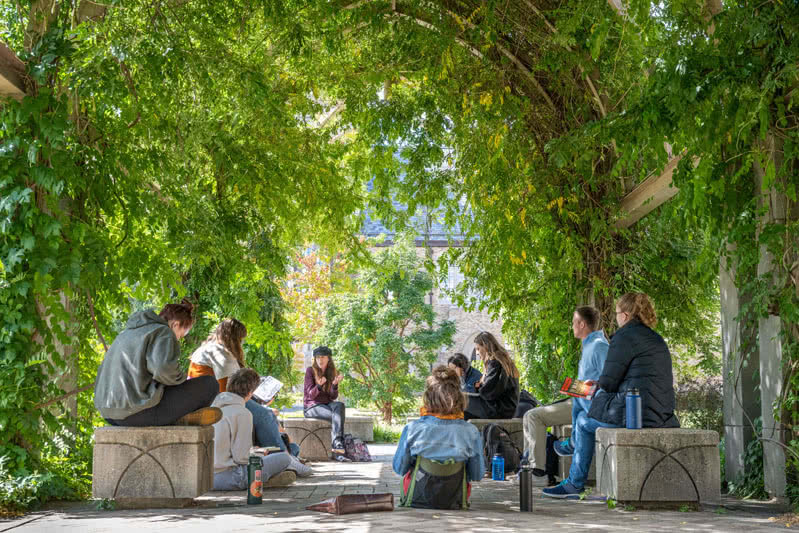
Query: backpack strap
point(464, 490)
point(409, 495)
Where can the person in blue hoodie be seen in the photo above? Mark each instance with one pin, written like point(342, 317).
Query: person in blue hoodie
point(443, 436)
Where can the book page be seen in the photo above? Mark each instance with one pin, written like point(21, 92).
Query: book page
point(267, 389)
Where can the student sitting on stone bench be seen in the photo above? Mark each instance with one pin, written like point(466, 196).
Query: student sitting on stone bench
point(498, 389)
point(440, 453)
point(233, 439)
point(141, 383)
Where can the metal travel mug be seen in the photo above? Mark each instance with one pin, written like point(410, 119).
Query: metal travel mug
point(632, 409)
point(254, 483)
point(526, 489)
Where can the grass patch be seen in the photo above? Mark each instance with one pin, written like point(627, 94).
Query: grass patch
point(387, 433)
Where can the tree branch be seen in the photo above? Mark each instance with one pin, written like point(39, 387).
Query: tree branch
point(64, 396)
point(94, 319)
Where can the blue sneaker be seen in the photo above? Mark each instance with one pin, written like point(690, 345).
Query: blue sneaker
point(564, 491)
point(563, 448)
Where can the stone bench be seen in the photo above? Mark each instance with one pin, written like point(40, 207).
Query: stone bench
point(658, 465)
point(565, 463)
point(312, 435)
point(153, 466)
point(512, 425)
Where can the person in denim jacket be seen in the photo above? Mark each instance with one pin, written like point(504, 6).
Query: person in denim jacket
point(441, 433)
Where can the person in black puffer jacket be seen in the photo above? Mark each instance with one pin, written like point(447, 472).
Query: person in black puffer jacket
point(637, 358)
point(498, 389)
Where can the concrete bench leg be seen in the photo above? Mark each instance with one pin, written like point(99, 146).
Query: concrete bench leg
point(153, 466)
point(659, 465)
point(312, 435)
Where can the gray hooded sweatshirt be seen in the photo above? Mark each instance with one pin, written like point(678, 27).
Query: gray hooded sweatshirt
point(141, 360)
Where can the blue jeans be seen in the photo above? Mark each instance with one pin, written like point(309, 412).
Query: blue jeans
point(579, 405)
point(584, 431)
point(267, 430)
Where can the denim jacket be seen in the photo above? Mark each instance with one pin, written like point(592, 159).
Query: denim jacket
point(439, 439)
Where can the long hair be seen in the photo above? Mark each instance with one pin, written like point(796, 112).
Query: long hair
point(495, 351)
point(443, 395)
point(330, 371)
point(230, 333)
point(638, 306)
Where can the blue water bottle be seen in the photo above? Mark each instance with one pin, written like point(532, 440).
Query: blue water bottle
point(498, 468)
point(633, 409)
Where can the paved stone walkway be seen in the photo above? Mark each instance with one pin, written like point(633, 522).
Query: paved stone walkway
point(495, 508)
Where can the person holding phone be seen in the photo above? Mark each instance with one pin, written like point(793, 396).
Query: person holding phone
point(319, 393)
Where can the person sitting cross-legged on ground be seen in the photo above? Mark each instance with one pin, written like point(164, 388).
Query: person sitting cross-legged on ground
point(585, 326)
point(220, 355)
point(638, 358)
point(320, 391)
point(441, 435)
point(141, 383)
point(467, 373)
point(498, 390)
point(233, 439)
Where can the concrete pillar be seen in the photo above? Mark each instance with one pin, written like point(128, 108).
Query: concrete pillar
point(740, 364)
point(770, 389)
point(774, 205)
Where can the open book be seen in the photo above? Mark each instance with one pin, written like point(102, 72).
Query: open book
point(578, 388)
point(267, 389)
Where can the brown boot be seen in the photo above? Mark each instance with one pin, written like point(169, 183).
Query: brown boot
point(201, 417)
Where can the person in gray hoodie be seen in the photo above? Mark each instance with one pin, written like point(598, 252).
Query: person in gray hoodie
point(233, 438)
point(140, 382)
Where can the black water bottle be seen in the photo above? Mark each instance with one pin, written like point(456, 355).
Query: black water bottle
point(254, 483)
point(526, 488)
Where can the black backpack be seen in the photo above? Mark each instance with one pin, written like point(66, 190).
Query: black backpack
point(496, 440)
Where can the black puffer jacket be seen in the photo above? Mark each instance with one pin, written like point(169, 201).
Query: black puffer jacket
point(499, 390)
point(638, 358)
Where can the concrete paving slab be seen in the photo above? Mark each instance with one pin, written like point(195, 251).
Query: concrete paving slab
point(494, 509)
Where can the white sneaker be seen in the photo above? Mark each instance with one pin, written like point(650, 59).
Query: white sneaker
point(300, 469)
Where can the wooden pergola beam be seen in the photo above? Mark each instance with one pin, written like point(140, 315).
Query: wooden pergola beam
point(12, 73)
point(649, 195)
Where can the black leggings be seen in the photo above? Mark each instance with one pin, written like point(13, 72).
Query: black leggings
point(178, 400)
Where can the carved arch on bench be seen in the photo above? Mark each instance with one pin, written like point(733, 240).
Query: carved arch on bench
point(308, 433)
point(143, 452)
point(666, 455)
